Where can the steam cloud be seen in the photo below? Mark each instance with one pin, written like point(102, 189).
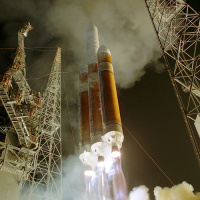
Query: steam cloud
point(139, 193)
point(124, 26)
point(182, 191)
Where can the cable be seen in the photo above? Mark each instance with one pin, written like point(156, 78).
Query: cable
point(45, 76)
point(148, 155)
point(40, 48)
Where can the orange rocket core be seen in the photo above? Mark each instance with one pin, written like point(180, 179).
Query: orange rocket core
point(84, 123)
point(83, 77)
point(109, 100)
point(95, 104)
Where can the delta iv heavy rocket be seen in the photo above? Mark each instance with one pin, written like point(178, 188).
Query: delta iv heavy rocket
point(103, 133)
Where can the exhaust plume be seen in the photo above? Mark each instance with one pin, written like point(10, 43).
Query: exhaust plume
point(183, 191)
point(139, 193)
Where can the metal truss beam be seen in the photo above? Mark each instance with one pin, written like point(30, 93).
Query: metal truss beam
point(177, 26)
point(48, 174)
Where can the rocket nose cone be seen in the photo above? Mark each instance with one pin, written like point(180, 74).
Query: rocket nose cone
point(102, 49)
point(91, 27)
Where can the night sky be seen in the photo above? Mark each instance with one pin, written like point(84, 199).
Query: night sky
point(149, 108)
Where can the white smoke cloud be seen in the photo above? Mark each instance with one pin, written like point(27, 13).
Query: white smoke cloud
point(124, 26)
point(183, 191)
point(139, 193)
point(73, 180)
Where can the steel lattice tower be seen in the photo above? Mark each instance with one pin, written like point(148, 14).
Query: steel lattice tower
point(19, 134)
point(47, 178)
point(177, 26)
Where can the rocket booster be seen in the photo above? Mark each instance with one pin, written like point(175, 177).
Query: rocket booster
point(99, 115)
point(112, 126)
point(100, 121)
point(84, 126)
point(96, 129)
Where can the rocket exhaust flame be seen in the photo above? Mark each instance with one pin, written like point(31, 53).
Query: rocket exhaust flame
point(107, 184)
point(119, 182)
point(115, 153)
point(101, 164)
point(89, 173)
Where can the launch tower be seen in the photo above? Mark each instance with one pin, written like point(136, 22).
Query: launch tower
point(30, 138)
point(47, 176)
point(19, 132)
point(177, 26)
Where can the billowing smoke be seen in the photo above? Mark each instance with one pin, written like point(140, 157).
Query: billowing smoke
point(73, 180)
point(139, 193)
point(124, 26)
point(182, 191)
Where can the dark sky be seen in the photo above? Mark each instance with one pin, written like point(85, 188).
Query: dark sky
point(149, 109)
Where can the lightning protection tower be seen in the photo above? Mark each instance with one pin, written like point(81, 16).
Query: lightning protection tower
point(177, 26)
point(47, 177)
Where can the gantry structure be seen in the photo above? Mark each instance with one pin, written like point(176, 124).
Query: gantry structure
point(177, 26)
point(30, 128)
point(46, 182)
point(19, 135)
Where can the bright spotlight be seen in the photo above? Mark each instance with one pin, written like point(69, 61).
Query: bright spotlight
point(89, 173)
point(115, 153)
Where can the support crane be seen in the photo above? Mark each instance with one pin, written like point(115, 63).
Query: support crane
point(177, 26)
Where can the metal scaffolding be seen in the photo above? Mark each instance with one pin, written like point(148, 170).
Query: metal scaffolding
point(30, 128)
point(19, 135)
point(47, 177)
point(177, 26)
